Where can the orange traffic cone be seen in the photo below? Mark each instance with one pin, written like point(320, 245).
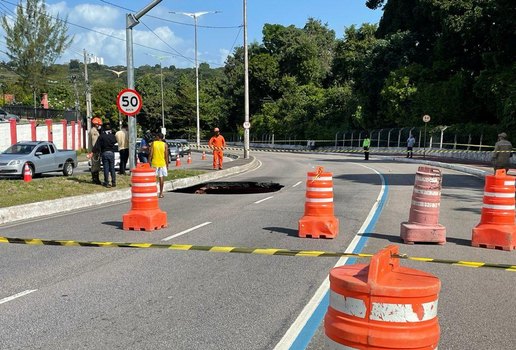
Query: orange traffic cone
point(27, 173)
point(178, 161)
point(496, 229)
point(145, 213)
point(382, 306)
point(319, 220)
point(189, 161)
point(203, 155)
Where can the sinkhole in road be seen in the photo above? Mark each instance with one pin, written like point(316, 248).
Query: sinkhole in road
point(232, 188)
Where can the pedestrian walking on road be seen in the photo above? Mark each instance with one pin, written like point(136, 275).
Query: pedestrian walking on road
point(502, 153)
point(366, 144)
point(159, 159)
point(410, 145)
point(93, 153)
point(122, 138)
point(217, 144)
point(106, 145)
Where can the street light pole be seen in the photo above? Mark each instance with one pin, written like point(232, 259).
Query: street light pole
point(196, 15)
point(160, 58)
point(132, 21)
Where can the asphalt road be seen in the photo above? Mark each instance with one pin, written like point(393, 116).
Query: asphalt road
point(99, 298)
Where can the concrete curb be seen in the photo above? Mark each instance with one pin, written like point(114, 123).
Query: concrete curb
point(55, 206)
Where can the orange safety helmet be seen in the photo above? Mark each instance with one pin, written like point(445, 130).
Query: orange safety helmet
point(96, 121)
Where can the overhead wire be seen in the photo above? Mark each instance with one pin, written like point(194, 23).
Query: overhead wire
point(170, 21)
point(96, 31)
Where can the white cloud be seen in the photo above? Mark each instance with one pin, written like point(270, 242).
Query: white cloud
point(224, 53)
point(59, 8)
point(88, 14)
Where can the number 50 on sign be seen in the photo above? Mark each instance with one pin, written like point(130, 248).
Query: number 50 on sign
point(129, 102)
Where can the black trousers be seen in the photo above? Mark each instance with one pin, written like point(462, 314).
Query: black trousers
point(124, 157)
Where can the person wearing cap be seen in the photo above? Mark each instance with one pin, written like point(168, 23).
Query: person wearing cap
point(106, 145)
point(93, 153)
point(217, 143)
point(502, 153)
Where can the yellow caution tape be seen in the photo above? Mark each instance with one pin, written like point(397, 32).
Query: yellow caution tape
point(242, 250)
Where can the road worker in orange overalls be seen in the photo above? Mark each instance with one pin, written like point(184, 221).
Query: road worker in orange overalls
point(217, 144)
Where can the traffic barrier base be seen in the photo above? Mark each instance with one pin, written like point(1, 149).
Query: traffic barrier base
point(319, 220)
point(423, 224)
point(382, 306)
point(497, 229)
point(145, 213)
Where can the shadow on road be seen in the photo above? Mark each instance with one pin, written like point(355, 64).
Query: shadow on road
point(285, 230)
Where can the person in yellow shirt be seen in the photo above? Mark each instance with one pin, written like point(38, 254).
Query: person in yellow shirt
point(158, 158)
point(217, 143)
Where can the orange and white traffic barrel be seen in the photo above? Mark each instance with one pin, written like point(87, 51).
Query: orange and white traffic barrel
point(319, 220)
point(497, 229)
point(382, 306)
point(145, 213)
point(423, 224)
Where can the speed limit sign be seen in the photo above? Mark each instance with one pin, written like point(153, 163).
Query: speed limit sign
point(129, 102)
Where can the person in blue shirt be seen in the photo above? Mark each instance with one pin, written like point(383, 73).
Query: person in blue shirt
point(143, 152)
point(410, 145)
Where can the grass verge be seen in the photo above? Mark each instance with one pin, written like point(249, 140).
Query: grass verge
point(47, 187)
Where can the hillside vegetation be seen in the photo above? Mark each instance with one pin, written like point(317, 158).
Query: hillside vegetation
point(453, 60)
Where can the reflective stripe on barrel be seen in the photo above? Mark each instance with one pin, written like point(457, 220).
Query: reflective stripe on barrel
point(384, 312)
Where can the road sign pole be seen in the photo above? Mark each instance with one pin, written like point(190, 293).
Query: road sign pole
point(129, 102)
point(424, 143)
point(426, 119)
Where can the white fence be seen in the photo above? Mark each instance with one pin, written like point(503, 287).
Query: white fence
point(24, 133)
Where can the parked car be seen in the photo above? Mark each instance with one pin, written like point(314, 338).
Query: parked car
point(184, 147)
point(40, 156)
point(6, 116)
point(174, 150)
point(117, 160)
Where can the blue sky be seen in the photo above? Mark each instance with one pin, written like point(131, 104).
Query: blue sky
point(99, 26)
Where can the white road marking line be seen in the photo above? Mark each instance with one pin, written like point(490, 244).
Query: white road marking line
point(12, 297)
point(263, 200)
point(295, 329)
point(297, 184)
point(186, 231)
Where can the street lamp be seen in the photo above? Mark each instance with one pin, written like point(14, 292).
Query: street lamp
point(131, 22)
point(196, 15)
point(160, 58)
point(118, 73)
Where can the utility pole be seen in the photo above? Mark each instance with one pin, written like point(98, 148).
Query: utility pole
point(88, 97)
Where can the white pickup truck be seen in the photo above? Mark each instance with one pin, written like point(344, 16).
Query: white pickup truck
point(40, 156)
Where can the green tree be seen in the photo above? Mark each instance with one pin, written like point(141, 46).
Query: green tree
point(34, 41)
